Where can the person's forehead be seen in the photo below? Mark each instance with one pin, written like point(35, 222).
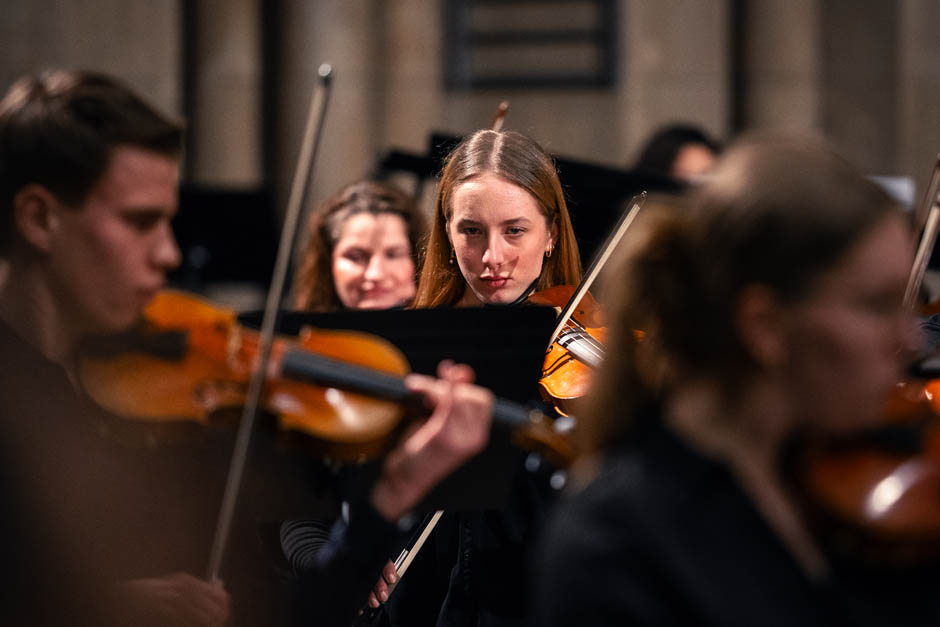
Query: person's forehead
point(367, 226)
point(881, 258)
point(491, 196)
point(137, 175)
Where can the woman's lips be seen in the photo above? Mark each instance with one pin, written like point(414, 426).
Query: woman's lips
point(374, 294)
point(495, 282)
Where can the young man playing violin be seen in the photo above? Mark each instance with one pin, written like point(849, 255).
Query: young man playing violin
point(103, 530)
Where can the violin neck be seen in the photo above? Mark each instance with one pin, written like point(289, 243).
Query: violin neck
point(305, 366)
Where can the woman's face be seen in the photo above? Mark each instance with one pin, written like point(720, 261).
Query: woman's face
point(500, 238)
point(692, 162)
point(849, 340)
point(372, 263)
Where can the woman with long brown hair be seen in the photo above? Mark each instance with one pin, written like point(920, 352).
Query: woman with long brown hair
point(501, 231)
point(361, 250)
point(501, 226)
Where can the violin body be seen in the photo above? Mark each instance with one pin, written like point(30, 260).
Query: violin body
point(877, 495)
point(576, 353)
point(210, 365)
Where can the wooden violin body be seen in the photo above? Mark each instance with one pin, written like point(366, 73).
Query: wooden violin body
point(576, 353)
point(877, 495)
point(205, 359)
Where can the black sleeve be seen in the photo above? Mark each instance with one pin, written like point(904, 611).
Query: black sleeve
point(335, 568)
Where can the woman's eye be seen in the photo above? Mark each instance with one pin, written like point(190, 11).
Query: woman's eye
point(470, 230)
point(356, 256)
point(515, 230)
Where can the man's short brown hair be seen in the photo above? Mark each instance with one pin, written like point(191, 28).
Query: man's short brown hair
point(59, 130)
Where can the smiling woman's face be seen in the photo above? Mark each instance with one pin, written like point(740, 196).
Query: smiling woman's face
point(500, 238)
point(372, 264)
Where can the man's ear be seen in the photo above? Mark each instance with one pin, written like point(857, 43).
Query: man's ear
point(36, 215)
point(760, 325)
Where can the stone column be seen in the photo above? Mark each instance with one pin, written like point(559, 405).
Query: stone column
point(138, 42)
point(344, 34)
point(918, 93)
point(225, 125)
point(781, 65)
point(675, 67)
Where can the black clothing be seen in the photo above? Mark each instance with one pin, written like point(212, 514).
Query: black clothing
point(335, 570)
point(473, 570)
point(96, 504)
point(665, 536)
point(100, 504)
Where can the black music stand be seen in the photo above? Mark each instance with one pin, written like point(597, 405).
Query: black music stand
point(504, 345)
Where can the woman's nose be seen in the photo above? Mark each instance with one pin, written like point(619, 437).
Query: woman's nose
point(494, 255)
point(375, 269)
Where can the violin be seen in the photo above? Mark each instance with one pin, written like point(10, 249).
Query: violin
point(340, 392)
point(576, 347)
point(876, 493)
point(576, 353)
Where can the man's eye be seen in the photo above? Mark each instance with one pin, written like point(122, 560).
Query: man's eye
point(142, 221)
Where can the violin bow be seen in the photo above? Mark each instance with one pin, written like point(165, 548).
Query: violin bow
point(929, 212)
point(600, 259)
point(308, 151)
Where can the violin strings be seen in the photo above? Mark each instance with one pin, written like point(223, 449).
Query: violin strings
point(588, 338)
point(591, 343)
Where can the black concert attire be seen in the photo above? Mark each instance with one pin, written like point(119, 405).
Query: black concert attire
point(93, 503)
point(666, 536)
point(473, 570)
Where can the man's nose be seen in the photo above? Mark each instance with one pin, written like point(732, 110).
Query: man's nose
point(166, 253)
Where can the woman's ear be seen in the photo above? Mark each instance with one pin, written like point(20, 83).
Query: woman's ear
point(36, 216)
point(760, 326)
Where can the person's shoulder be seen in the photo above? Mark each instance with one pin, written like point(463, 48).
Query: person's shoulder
point(601, 515)
point(638, 487)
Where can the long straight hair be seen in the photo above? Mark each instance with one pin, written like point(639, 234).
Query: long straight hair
point(521, 161)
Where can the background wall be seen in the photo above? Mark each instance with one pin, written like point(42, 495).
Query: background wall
point(864, 74)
